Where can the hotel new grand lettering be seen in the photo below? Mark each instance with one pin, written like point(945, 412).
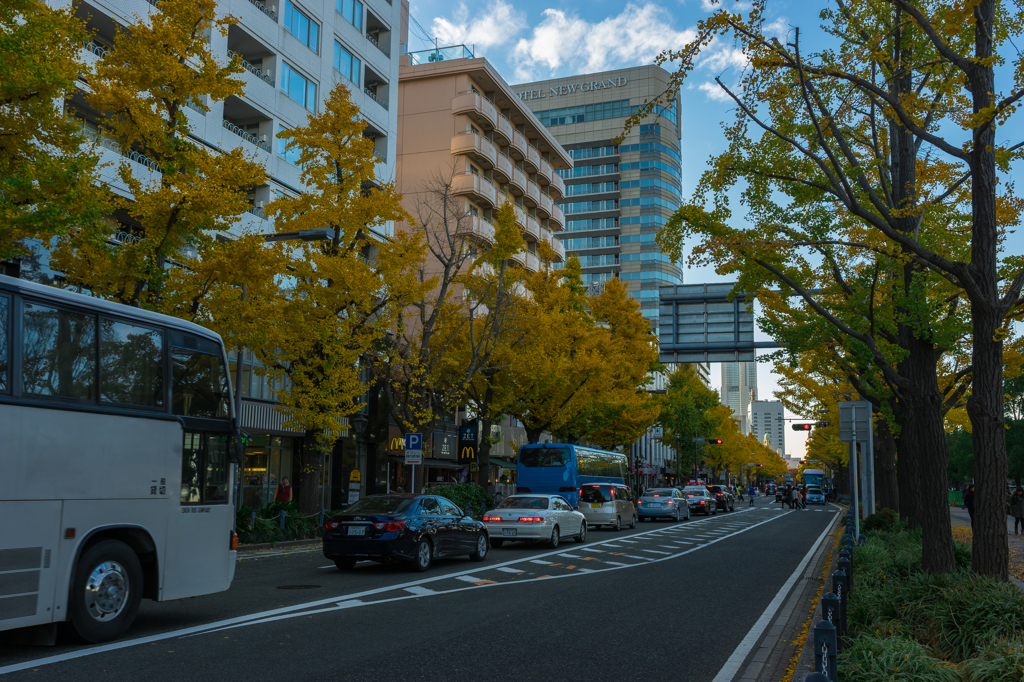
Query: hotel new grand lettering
point(573, 88)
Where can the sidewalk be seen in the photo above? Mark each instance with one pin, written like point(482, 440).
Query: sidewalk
point(961, 521)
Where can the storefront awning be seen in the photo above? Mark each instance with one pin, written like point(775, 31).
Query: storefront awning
point(428, 462)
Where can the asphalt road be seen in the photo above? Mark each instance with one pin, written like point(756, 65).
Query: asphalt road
point(666, 599)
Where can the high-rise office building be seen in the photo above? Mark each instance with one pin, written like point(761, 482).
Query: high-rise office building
point(768, 421)
point(739, 390)
point(620, 191)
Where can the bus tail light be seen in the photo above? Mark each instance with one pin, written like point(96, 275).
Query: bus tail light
point(523, 490)
point(234, 541)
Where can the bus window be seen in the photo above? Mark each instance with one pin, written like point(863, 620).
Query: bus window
point(199, 384)
point(131, 371)
point(58, 353)
point(544, 457)
point(603, 464)
point(204, 468)
point(5, 311)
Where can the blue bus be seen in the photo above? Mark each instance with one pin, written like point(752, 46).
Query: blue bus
point(562, 468)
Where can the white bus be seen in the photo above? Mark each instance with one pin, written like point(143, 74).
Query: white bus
point(115, 479)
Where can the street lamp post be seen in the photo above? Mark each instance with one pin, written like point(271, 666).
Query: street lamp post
point(359, 424)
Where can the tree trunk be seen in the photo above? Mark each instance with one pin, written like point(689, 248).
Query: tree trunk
point(906, 481)
point(483, 459)
point(985, 406)
point(311, 464)
point(919, 413)
point(886, 487)
point(533, 434)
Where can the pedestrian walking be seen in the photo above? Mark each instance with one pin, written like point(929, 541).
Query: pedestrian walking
point(963, 497)
point(969, 502)
point(752, 492)
point(803, 497)
point(795, 498)
point(1016, 508)
point(284, 491)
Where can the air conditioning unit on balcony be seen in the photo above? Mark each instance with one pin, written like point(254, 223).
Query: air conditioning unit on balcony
point(258, 204)
point(263, 137)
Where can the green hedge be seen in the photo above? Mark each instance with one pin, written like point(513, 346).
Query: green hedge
point(267, 527)
point(465, 494)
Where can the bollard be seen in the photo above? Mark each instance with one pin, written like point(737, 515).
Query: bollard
point(252, 520)
point(816, 677)
point(839, 589)
point(282, 518)
point(862, 539)
point(321, 518)
point(483, 509)
point(830, 612)
point(825, 650)
point(846, 567)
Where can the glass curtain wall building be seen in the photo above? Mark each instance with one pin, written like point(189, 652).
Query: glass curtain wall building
point(618, 193)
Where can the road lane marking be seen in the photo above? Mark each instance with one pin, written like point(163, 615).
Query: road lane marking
point(538, 561)
point(419, 590)
point(618, 563)
point(469, 578)
point(633, 556)
point(655, 551)
point(732, 665)
point(504, 569)
point(309, 608)
point(572, 556)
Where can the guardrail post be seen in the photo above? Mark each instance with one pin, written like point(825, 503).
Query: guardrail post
point(321, 517)
point(252, 520)
point(483, 509)
point(862, 539)
point(825, 650)
point(816, 677)
point(839, 589)
point(830, 611)
point(282, 515)
point(846, 567)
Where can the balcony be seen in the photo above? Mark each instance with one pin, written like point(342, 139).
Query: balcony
point(531, 229)
point(519, 258)
point(517, 150)
point(504, 168)
point(544, 172)
point(557, 218)
point(477, 147)
point(440, 54)
point(532, 161)
point(532, 262)
point(247, 122)
point(532, 197)
point(544, 207)
point(477, 107)
point(477, 228)
point(556, 244)
point(373, 95)
point(504, 131)
point(373, 41)
point(519, 182)
point(520, 216)
point(557, 187)
point(245, 135)
point(265, 77)
point(263, 8)
point(477, 187)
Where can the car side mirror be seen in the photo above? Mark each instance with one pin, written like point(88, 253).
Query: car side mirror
point(575, 507)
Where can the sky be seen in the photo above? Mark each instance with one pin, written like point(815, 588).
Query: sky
point(529, 40)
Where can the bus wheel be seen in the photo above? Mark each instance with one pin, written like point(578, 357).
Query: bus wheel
point(106, 591)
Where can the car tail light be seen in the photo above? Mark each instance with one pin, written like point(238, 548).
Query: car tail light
point(390, 526)
point(531, 519)
point(523, 490)
point(492, 518)
point(668, 502)
point(234, 540)
point(331, 525)
point(639, 502)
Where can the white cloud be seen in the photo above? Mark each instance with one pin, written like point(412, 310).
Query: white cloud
point(731, 5)
point(635, 36)
point(719, 57)
point(714, 91)
point(779, 28)
point(498, 24)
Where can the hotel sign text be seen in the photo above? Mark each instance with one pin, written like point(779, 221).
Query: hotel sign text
point(586, 86)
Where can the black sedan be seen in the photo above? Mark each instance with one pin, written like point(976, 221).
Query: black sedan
point(413, 528)
point(724, 499)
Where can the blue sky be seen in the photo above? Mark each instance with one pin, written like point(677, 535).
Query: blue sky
point(537, 39)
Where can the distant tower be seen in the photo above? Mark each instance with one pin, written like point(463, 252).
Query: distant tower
point(739, 390)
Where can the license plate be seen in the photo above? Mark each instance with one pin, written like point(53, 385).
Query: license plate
point(654, 504)
point(357, 530)
point(509, 532)
point(595, 505)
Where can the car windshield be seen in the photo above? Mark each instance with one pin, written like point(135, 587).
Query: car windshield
point(715, 488)
point(379, 505)
point(696, 491)
point(661, 492)
point(814, 491)
point(596, 493)
point(524, 503)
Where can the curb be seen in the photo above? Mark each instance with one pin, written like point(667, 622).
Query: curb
point(279, 545)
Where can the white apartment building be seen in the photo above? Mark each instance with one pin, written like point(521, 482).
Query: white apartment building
point(294, 52)
point(739, 390)
point(769, 421)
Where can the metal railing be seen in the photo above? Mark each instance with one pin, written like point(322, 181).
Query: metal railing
point(256, 211)
point(373, 41)
point(192, 105)
point(96, 48)
point(376, 99)
point(829, 633)
point(248, 137)
point(263, 8)
point(251, 69)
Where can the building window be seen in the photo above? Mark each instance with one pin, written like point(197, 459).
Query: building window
point(291, 155)
point(298, 87)
point(346, 63)
point(301, 26)
point(352, 10)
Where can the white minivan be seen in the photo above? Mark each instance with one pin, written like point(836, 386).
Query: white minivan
point(607, 504)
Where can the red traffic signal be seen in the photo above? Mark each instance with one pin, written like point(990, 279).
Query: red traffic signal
point(714, 441)
point(802, 427)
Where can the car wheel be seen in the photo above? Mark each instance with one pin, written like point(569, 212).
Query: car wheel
point(582, 537)
point(632, 522)
point(555, 538)
point(106, 591)
point(345, 563)
point(618, 524)
point(496, 543)
point(423, 556)
point(480, 553)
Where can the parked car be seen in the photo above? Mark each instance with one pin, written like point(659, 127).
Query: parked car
point(815, 495)
point(547, 518)
point(699, 499)
point(413, 528)
point(667, 503)
point(724, 498)
point(607, 504)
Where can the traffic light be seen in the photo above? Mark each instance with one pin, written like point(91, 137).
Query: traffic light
point(802, 427)
point(823, 424)
point(714, 441)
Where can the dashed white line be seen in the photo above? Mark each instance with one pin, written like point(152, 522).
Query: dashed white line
point(419, 590)
point(656, 551)
point(506, 569)
point(633, 556)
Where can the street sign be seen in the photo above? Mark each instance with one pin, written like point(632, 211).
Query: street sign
point(355, 476)
point(847, 424)
point(822, 424)
point(698, 440)
point(414, 448)
point(657, 432)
